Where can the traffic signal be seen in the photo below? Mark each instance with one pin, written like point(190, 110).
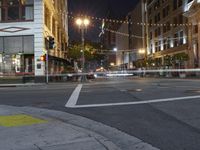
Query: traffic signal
point(43, 58)
point(51, 42)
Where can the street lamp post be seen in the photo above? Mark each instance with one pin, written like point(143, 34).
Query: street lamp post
point(83, 23)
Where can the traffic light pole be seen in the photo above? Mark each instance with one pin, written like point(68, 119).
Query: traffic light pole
point(49, 46)
point(47, 62)
point(47, 66)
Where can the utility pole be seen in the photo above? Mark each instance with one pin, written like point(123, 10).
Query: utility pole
point(83, 79)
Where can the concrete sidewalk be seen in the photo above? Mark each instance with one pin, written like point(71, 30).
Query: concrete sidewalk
point(27, 128)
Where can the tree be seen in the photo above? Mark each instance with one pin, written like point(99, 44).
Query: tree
point(90, 51)
point(180, 58)
point(168, 60)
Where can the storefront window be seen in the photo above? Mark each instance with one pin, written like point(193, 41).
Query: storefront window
point(13, 45)
point(28, 46)
point(17, 55)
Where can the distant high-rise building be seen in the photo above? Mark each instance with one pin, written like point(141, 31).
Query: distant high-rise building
point(24, 27)
point(136, 31)
point(108, 39)
point(130, 37)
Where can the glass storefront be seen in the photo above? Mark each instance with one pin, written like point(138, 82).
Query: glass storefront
point(16, 64)
point(16, 55)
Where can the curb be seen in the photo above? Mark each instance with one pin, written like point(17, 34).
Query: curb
point(110, 138)
point(19, 85)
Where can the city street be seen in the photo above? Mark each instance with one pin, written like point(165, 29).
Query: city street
point(161, 112)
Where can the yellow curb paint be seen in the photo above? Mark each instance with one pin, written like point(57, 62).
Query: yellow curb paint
point(19, 120)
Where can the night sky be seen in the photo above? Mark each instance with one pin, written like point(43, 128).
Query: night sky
point(116, 9)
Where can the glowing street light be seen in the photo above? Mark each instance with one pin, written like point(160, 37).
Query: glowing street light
point(115, 49)
point(86, 22)
point(83, 23)
point(79, 22)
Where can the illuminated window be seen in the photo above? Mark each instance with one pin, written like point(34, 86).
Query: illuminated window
point(16, 10)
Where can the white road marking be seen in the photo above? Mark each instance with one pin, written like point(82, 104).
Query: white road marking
point(137, 102)
point(74, 97)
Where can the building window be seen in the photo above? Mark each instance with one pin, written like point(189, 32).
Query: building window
point(157, 5)
point(157, 18)
point(160, 45)
point(176, 41)
point(16, 10)
point(165, 44)
point(27, 10)
point(168, 26)
point(18, 44)
point(181, 38)
point(175, 21)
point(177, 3)
point(159, 31)
point(150, 22)
point(151, 48)
point(149, 11)
point(151, 35)
point(195, 29)
point(164, 29)
point(168, 42)
point(166, 11)
point(156, 32)
point(156, 46)
point(180, 2)
point(180, 19)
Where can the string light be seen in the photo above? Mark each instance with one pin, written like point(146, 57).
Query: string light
point(130, 22)
point(139, 37)
point(136, 36)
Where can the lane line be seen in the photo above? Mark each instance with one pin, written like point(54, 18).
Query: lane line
point(138, 102)
point(74, 97)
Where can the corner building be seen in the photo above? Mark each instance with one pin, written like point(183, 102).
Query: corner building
point(24, 26)
point(166, 29)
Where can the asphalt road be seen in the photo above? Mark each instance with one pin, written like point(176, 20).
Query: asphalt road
point(168, 124)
